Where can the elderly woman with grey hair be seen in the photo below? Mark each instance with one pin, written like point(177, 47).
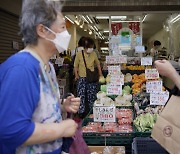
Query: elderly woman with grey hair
point(30, 110)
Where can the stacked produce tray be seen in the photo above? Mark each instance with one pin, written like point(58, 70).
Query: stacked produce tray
point(146, 146)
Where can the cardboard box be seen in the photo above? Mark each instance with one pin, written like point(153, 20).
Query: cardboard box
point(101, 148)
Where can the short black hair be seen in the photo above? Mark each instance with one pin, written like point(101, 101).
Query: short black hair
point(81, 41)
point(89, 43)
point(157, 43)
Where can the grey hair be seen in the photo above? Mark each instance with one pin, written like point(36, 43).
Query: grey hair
point(35, 12)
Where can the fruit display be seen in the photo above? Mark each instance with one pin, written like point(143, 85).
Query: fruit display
point(127, 78)
point(138, 81)
point(102, 79)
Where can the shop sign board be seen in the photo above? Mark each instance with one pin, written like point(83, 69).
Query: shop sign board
point(114, 89)
point(104, 114)
point(114, 70)
point(159, 98)
point(146, 61)
point(117, 79)
point(153, 86)
point(151, 74)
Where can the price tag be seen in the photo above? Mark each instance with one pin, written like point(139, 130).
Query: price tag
point(123, 59)
point(153, 86)
point(54, 57)
point(116, 59)
point(112, 59)
point(151, 74)
point(114, 69)
point(140, 49)
point(114, 89)
point(104, 114)
point(117, 79)
point(146, 61)
point(159, 98)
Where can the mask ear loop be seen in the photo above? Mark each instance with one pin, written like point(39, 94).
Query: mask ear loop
point(51, 32)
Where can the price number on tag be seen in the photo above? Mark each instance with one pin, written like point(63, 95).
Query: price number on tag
point(151, 74)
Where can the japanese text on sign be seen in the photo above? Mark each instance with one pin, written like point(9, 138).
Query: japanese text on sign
point(159, 98)
point(116, 59)
point(153, 86)
point(139, 49)
point(114, 69)
point(151, 74)
point(146, 61)
point(114, 89)
point(104, 114)
point(117, 79)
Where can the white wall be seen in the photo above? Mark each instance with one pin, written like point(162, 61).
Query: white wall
point(163, 37)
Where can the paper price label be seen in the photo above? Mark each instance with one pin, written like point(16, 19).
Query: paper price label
point(159, 98)
point(112, 59)
point(116, 59)
point(104, 114)
point(146, 61)
point(114, 89)
point(151, 74)
point(140, 49)
point(114, 69)
point(123, 59)
point(117, 79)
point(153, 86)
point(59, 61)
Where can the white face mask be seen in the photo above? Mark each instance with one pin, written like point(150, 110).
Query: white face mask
point(61, 40)
point(89, 50)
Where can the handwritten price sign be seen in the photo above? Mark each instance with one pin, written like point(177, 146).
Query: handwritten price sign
point(104, 114)
point(117, 79)
point(116, 59)
point(114, 89)
point(146, 61)
point(159, 98)
point(112, 59)
point(114, 69)
point(153, 86)
point(151, 74)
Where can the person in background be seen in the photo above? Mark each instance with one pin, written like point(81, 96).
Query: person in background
point(30, 109)
point(72, 84)
point(165, 68)
point(86, 91)
point(154, 50)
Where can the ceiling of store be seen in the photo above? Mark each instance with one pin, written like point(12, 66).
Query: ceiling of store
point(157, 10)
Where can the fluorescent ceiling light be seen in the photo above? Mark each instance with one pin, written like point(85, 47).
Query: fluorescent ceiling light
point(106, 31)
point(112, 17)
point(125, 21)
point(96, 28)
point(85, 19)
point(104, 48)
point(89, 19)
point(69, 19)
point(92, 28)
point(102, 17)
point(144, 18)
point(175, 18)
point(106, 42)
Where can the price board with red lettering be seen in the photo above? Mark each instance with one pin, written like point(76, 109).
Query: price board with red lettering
point(114, 70)
point(112, 59)
point(104, 114)
point(151, 74)
point(114, 89)
point(153, 86)
point(117, 79)
point(159, 98)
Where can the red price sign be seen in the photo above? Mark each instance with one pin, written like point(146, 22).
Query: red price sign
point(123, 59)
point(112, 60)
point(159, 98)
point(151, 74)
point(114, 89)
point(104, 114)
point(153, 86)
point(117, 79)
point(114, 69)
